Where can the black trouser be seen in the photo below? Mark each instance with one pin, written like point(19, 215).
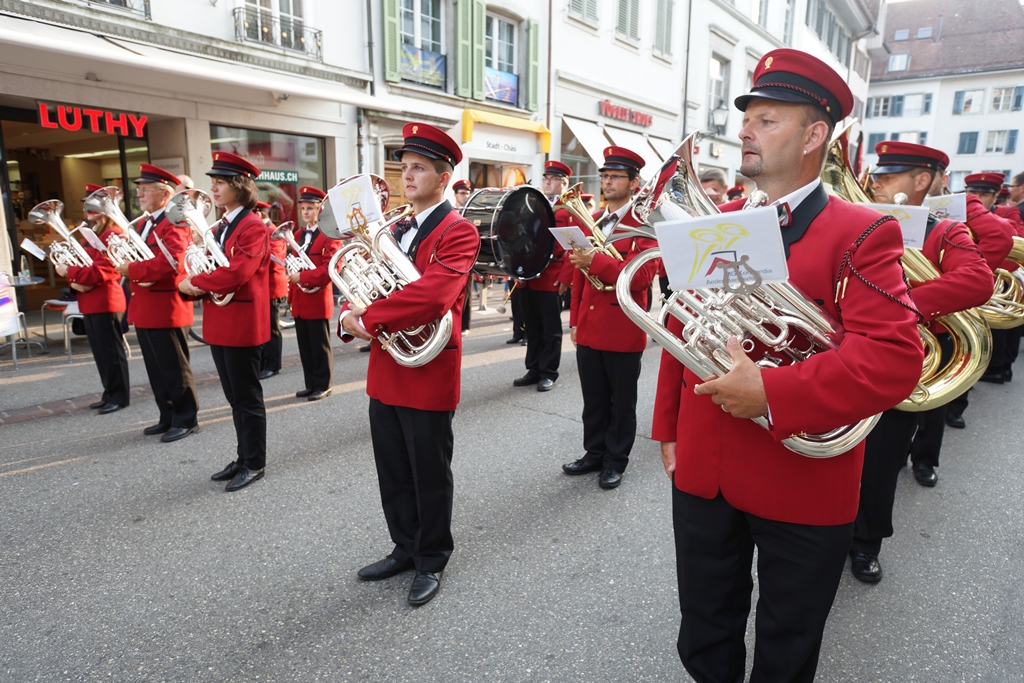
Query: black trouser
point(315, 353)
point(270, 353)
point(608, 380)
point(467, 310)
point(1013, 336)
point(998, 362)
point(931, 424)
point(885, 454)
point(238, 367)
point(543, 318)
point(107, 343)
point(168, 365)
point(798, 571)
point(958, 405)
point(413, 452)
point(518, 321)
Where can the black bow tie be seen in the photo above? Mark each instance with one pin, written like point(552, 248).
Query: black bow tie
point(403, 226)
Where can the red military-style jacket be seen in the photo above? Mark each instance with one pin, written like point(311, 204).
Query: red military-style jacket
point(277, 274)
point(877, 365)
point(599, 321)
point(444, 250)
point(320, 304)
point(106, 295)
point(160, 305)
point(1011, 215)
point(560, 269)
point(245, 321)
point(993, 235)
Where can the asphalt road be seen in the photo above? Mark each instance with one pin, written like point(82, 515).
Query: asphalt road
point(120, 560)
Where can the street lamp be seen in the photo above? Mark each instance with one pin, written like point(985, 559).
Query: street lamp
point(720, 116)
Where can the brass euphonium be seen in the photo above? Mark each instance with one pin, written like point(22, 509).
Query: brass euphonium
point(298, 260)
point(129, 248)
point(69, 252)
point(1005, 309)
point(792, 326)
point(373, 266)
point(572, 200)
point(972, 340)
point(189, 208)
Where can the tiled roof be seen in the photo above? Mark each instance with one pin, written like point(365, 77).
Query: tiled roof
point(966, 37)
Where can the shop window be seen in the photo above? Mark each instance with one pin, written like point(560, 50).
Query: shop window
point(496, 175)
point(287, 162)
point(280, 23)
point(500, 80)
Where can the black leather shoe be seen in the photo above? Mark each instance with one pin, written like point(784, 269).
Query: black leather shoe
point(178, 433)
point(609, 479)
point(158, 428)
point(865, 567)
point(993, 377)
point(228, 472)
point(546, 384)
point(267, 374)
point(523, 342)
point(110, 408)
point(955, 421)
point(1007, 376)
point(424, 587)
point(304, 393)
point(317, 395)
point(97, 405)
point(526, 380)
point(243, 478)
point(581, 466)
point(383, 569)
point(364, 349)
point(513, 340)
point(925, 474)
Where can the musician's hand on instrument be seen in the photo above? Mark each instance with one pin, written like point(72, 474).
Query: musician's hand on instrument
point(668, 457)
point(186, 287)
point(351, 323)
point(581, 258)
point(741, 391)
point(572, 336)
point(293, 278)
point(61, 270)
point(122, 269)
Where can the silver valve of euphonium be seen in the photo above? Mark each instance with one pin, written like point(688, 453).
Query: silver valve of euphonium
point(130, 247)
point(189, 208)
point(298, 260)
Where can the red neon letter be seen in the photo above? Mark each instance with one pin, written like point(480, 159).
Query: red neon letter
point(94, 119)
point(62, 118)
point(121, 123)
point(44, 117)
point(138, 124)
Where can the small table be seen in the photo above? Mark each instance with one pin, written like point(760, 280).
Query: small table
point(18, 282)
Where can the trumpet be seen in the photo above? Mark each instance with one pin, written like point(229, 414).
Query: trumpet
point(298, 260)
point(189, 208)
point(69, 252)
point(572, 200)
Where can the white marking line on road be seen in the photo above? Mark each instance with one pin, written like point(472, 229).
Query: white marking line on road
point(39, 467)
point(18, 462)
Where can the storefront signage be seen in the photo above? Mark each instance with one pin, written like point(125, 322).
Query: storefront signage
point(96, 120)
point(502, 146)
point(279, 176)
point(617, 111)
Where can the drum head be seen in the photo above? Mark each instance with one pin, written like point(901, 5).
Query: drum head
point(523, 243)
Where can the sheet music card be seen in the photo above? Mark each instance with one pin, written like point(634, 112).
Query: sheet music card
point(913, 222)
point(571, 237)
point(355, 197)
point(948, 206)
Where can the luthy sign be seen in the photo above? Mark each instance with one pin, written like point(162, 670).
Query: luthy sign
point(617, 111)
point(96, 120)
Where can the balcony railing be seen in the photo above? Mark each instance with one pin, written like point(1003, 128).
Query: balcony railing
point(136, 7)
point(261, 26)
point(423, 66)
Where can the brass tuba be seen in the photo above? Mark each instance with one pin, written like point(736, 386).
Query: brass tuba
point(189, 208)
point(373, 266)
point(972, 339)
point(572, 200)
point(298, 260)
point(792, 326)
point(69, 252)
point(129, 248)
point(1005, 309)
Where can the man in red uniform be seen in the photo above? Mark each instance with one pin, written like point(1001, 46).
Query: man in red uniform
point(237, 330)
point(609, 346)
point(736, 486)
point(411, 409)
point(461, 189)
point(965, 281)
point(542, 312)
point(270, 356)
point(161, 317)
point(312, 299)
point(736, 192)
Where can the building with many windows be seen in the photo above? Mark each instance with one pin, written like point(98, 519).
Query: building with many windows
point(951, 77)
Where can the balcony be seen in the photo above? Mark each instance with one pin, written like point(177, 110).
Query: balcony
point(423, 66)
point(261, 26)
point(138, 8)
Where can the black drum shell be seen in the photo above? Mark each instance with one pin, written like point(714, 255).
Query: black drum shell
point(514, 236)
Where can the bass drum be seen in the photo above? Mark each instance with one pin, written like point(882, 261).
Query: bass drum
point(514, 236)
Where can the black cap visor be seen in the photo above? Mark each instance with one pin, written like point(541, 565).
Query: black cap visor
point(884, 170)
point(777, 94)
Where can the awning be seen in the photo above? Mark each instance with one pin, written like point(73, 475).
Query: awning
point(637, 143)
point(472, 116)
point(53, 48)
point(664, 148)
point(590, 136)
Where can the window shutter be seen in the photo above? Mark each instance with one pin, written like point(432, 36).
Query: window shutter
point(667, 37)
point(622, 26)
point(392, 42)
point(634, 19)
point(896, 106)
point(1018, 98)
point(922, 138)
point(533, 67)
point(894, 136)
point(464, 48)
point(576, 6)
point(926, 107)
point(479, 43)
point(1011, 141)
point(867, 110)
point(958, 102)
point(591, 10)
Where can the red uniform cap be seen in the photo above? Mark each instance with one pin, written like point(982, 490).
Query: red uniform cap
point(557, 168)
point(984, 182)
point(431, 142)
point(622, 159)
point(735, 192)
point(461, 185)
point(789, 75)
point(89, 189)
point(308, 193)
point(1005, 192)
point(898, 157)
point(154, 174)
point(587, 197)
point(228, 164)
point(263, 205)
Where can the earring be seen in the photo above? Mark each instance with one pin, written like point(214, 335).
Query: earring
point(805, 152)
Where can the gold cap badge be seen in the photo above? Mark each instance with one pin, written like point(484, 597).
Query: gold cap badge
point(768, 62)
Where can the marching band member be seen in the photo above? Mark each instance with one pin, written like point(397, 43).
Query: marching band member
point(609, 346)
point(411, 409)
point(736, 192)
point(270, 356)
point(735, 486)
point(312, 311)
point(965, 282)
point(462, 189)
point(101, 303)
point(161, 317)
point(237, 330)
point(714, 182)
point(542, 310)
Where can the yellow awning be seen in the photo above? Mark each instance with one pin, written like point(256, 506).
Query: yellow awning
point(474, 116)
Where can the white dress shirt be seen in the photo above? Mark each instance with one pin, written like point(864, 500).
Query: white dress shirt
point(795, 198)
point(228, 217)
point(151, 223)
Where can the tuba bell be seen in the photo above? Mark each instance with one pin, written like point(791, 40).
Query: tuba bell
point(69, 252)
point(129, 248)
point(298, 260)
point(1005, 309)
point(189, 208)
point(792, 326)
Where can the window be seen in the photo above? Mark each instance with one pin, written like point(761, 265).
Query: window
point(878, 106)
point(968, 101)
point(787, 30)
point(902, 34)
point(422, 50)
point(956, 181)
point(584, 9)
point(1018, 98)
point(909, 137)
point(898, 62)
point(913, 105)
point(761, 12)
point(861, 64)
point(896, 105)
point(926, 107)
point(1002, 99)
point(996, 142)
point(924, 33)
point(873, 140)
point(824, 23)
point(922, 138)
point(968, 143)
point(663, 27)
point(628, 24)
point(500, 80)
point(279, 22)
point(718, 87)
point(1011, 144)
